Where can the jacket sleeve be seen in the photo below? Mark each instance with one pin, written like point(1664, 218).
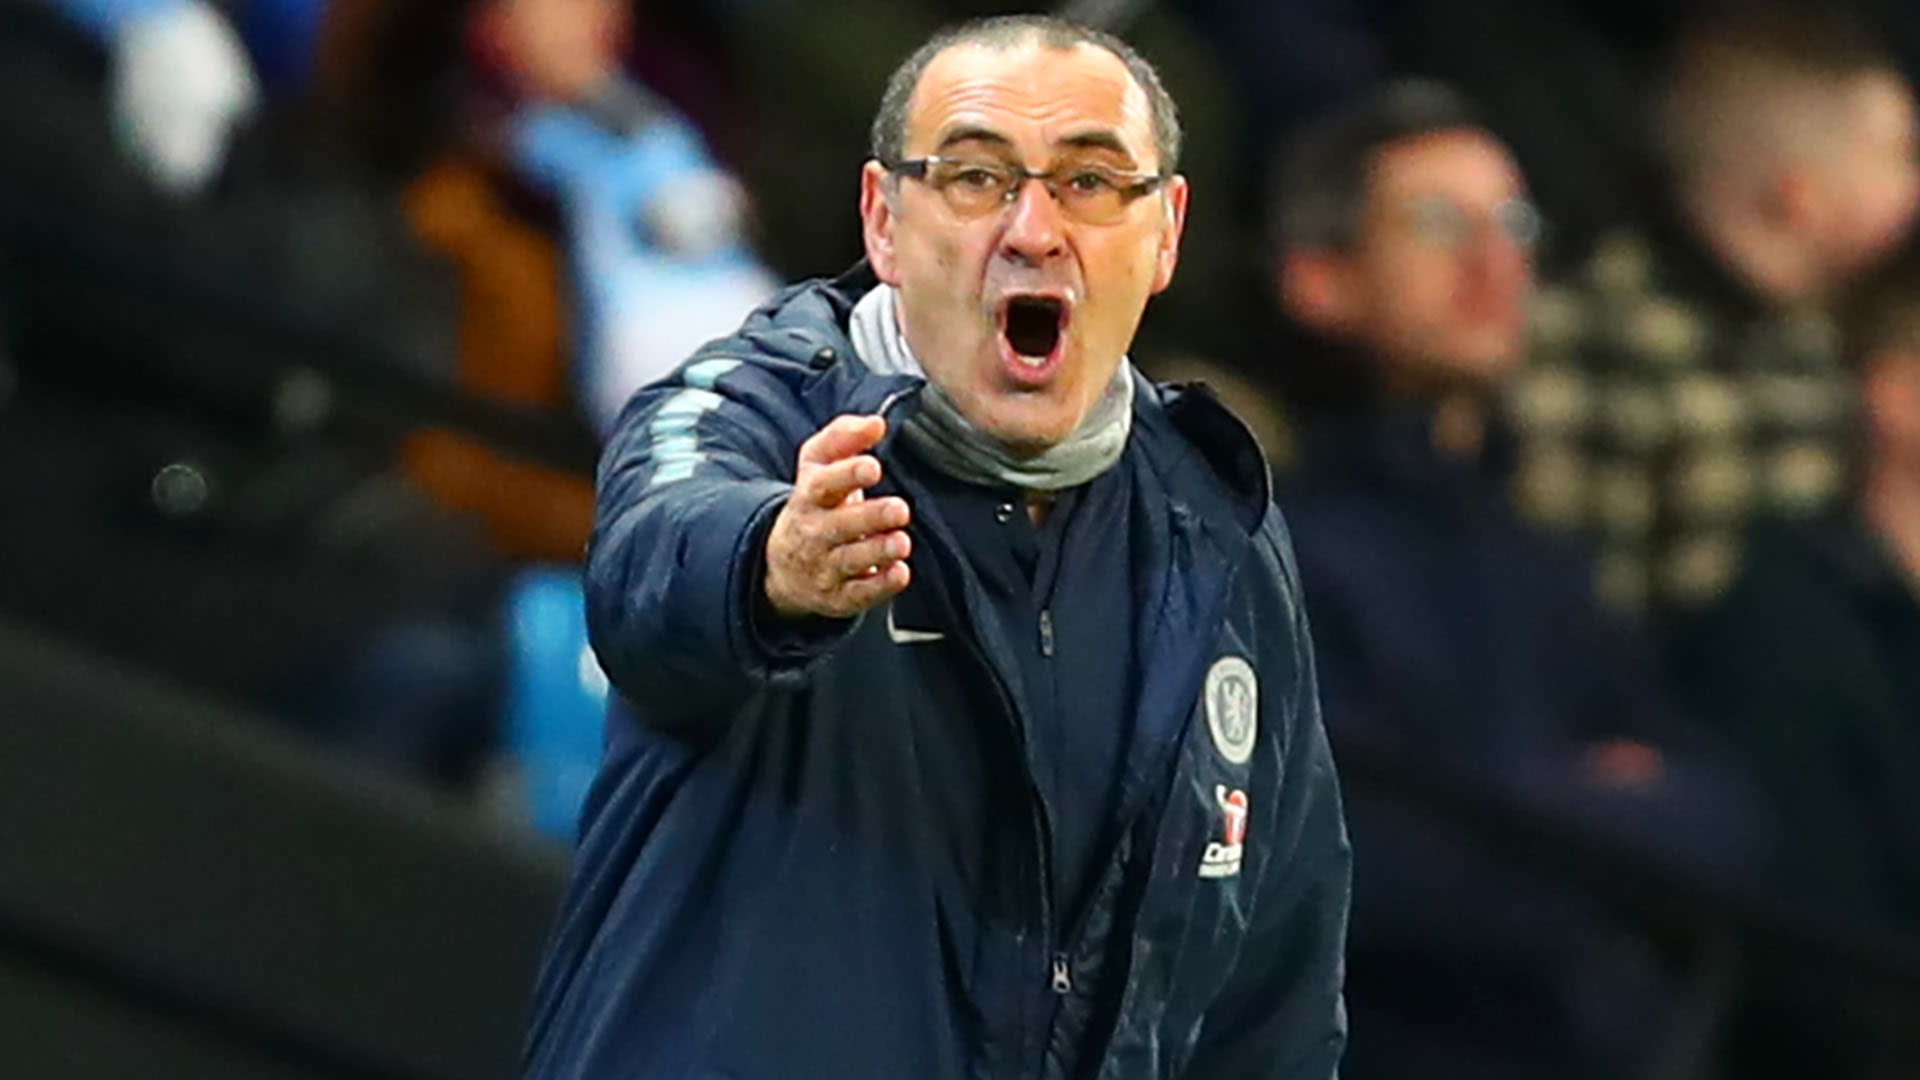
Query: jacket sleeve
point(689, 485)
point(1282, 1015)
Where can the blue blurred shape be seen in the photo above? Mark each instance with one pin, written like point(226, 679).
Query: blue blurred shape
point(284, 37)
point(556, 697)
point(104, 18)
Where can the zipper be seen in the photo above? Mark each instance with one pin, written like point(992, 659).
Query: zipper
point(1042, 831)
point(1057, 974)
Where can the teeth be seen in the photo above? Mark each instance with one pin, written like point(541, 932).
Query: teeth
point(1031, 361)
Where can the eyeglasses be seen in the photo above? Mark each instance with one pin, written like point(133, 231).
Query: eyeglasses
point(1088, 192)
point(1445, 223)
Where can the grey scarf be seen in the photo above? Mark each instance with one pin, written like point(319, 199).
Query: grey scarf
point(962, 451)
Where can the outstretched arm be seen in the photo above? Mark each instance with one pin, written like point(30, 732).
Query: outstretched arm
point(726, 557)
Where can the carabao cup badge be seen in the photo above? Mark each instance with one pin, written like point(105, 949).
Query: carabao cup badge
point(1222, 857)
point(1233, 708)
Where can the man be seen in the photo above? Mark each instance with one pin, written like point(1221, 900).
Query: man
point(1808, 667)
point(809, 82)
point(1685, 382)
point(1450, 632)
point(969, 722)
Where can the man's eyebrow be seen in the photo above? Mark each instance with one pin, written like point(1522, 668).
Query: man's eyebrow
point(1096, 139)
point(1099, 139)
point(972, 133)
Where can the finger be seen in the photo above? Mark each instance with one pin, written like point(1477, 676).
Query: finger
point(830, 485)
point(844, 437)
point(861, 520)
point(863, 558)
point(862, 593)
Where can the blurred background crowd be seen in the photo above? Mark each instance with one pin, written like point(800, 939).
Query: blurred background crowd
point(1582, 335)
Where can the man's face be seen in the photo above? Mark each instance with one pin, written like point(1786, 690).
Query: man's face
point(1021, 312)
point(1436, 282)
point(562, 49)
point(1872, 182)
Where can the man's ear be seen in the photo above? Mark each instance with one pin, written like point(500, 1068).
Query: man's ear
point(1890, 394)
point(1168, 255)
point(1312, 288)
point(876, 220)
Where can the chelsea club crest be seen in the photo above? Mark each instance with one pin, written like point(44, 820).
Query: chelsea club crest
point(1233, 708)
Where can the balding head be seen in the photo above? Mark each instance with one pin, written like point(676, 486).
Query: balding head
point(1764, 87)
point(1791, 138)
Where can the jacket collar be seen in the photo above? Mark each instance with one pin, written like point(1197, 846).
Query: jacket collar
point(1206, 455)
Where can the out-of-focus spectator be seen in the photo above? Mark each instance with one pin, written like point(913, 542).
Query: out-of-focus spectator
point(181, 81)
point(1448, 629)
point(194, 488)
point(1810, 665)
point(465, 206)
point(1559, 87)
point(1686, 378)
point(596, 242)
point(655, 228)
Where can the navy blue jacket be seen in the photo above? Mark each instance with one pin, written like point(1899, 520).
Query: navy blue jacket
point(831, 860)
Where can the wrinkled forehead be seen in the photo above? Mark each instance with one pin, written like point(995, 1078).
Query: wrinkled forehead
point(1033, 101)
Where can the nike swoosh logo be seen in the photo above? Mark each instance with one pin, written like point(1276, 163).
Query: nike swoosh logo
point(910, 637)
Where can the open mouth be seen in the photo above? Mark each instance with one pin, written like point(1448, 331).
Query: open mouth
point(1032, 327)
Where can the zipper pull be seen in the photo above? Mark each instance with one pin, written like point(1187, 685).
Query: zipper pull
point(1046, 632)
point(1062, 981)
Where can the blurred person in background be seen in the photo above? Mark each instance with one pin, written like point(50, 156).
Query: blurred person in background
point(655, 228)
point(596, 241)
point(967, 721)
point(1448, 630)
point(203, 288)
point(1686, 380)
point(1810, 666)
point(180, 80)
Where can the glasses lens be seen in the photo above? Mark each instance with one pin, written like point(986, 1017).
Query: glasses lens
point(971, 187)
point(1091, 193)
point(1443, 223)
point(1520, 221)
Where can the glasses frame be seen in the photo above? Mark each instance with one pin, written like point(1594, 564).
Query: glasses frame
point(1500, 220)
point(1137, 184)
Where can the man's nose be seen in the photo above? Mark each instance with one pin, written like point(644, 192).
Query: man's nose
point(1497, 258)
point(1036, 228)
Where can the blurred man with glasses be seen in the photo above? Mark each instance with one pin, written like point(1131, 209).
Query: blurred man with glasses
point(1451, 633)
point(966, 720)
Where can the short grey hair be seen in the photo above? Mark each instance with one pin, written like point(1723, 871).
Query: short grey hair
point(1320, 188)
point(888, 138)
